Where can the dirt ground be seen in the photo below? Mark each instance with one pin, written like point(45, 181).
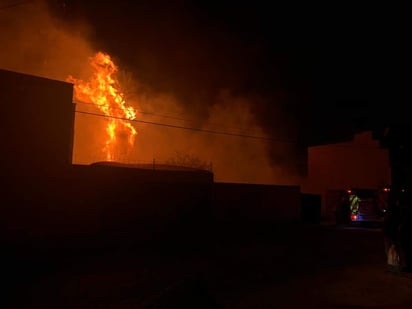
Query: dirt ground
point(279, 267)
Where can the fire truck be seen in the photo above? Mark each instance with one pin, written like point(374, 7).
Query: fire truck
point(359, 206)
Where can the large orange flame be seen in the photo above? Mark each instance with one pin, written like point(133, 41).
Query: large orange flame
point(102, 90)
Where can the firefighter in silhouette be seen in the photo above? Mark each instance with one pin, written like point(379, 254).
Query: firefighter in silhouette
point(405, 230)
point(391, 225)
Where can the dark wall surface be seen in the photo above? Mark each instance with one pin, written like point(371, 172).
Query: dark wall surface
point(104, 207)
point(36, 125)
point(255, 204)
point(36, 130)
point(311, 208)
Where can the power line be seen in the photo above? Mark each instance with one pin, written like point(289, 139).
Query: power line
point(141, 112)
point(152, 114)
point(191, 128)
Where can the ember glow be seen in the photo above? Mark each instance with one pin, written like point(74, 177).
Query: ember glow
point(102, 90)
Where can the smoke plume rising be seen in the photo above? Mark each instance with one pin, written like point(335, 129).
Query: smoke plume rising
point(33, 42)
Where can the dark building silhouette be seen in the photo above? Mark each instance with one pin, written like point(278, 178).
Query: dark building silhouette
point(36, 124)
point(36, 130)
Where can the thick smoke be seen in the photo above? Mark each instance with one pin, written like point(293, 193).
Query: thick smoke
point(234, 157)
point(34, 42)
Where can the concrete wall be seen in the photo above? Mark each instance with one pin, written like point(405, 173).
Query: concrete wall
point(105, 206)
point(36, 124)
point(36, 133)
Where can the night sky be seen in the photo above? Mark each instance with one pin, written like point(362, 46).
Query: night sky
point(328, 67)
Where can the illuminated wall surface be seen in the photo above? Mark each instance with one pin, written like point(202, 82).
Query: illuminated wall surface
point(360, 163)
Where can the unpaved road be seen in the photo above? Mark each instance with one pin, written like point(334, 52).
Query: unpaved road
point(280, 267)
